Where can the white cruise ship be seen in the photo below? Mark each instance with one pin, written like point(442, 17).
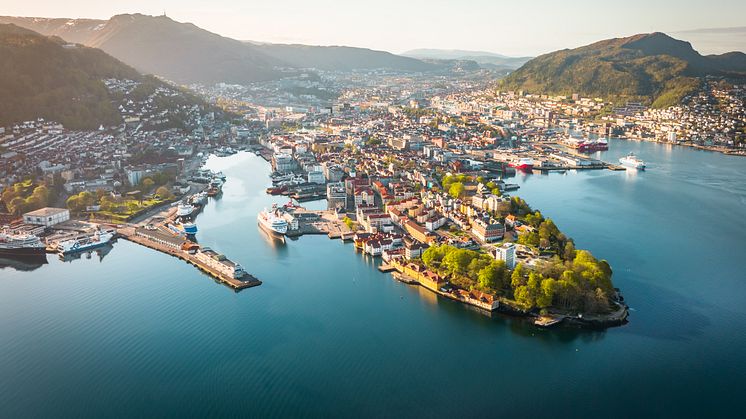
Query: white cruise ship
point(79, 244)
point(632, 161)
point(272, 222)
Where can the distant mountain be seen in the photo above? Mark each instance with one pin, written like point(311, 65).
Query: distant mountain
point(716, 40)
point(647, 66)
point(480, 57)
point(340, 58)
point(41, 76)
point(158, 45)
point(185, 53)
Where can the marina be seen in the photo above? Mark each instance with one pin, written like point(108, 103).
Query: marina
point(172, 232)
point(161, 244)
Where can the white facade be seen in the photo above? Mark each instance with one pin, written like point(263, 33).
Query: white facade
point(47, 216)
point(316, 177)
point(506, 253)
point(220, 263)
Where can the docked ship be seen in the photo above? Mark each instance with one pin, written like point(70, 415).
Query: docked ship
point(587, 146)
point(199, 199)
point(272, 222)
point(20, 245)
point(184, 210)
point(632, 161)
point(524, 163)
point(79, 244)
point(602, 144)
point(184, 228)
point(216, 185)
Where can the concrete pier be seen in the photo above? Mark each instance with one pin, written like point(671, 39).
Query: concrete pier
point(246, 281)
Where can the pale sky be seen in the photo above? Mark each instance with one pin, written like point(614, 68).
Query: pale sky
point(514, 27)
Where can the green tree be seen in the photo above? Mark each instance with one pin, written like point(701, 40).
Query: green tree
point(516, 278)
point(457, 261)
point(546, 296)
point(529, 239)
point(491, 276)
point(456, 190)
point(73, 203)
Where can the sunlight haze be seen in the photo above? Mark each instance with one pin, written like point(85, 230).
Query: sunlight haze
point(505, 27)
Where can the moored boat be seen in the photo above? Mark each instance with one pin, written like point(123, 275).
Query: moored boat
point(12, 244)
point(272, 222)
point(91, 241)
point(524, 163)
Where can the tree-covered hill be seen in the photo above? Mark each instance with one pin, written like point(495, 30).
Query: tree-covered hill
point(45, 77)
point(650, 67)
point(82, 87)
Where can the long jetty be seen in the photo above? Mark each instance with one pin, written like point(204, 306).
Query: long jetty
point(245, 281)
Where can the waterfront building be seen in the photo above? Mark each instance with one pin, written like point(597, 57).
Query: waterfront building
point(283, 162)
point(220, 263)
point(413, 249)
point(477, 299)
point(164, 238)
point(424, 276)
point(47, 216)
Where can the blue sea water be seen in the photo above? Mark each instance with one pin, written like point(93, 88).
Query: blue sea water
point(138, 333)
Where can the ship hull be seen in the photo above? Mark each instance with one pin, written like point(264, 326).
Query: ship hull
point(272, 233)
point(522, 166)
point(632, 165)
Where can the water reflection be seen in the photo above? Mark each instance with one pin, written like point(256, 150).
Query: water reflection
point(99, 252)
point(23, 263)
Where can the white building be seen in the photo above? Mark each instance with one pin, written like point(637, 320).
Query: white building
point(316, 176)
point(219, 263)
point(284, 162)
point(47, 216)
point(506, 253)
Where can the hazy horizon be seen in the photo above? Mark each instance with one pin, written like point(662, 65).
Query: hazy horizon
point(496, 26)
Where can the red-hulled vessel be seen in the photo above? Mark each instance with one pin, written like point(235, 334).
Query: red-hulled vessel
point(524, 163)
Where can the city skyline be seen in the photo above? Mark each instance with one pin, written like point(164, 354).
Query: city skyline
point(500, 27)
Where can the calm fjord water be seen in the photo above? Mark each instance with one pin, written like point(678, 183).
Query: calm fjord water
point(139, 333)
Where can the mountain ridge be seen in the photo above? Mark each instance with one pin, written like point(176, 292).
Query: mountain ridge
point(185, 53)
point(651, 66)
point(480, 57)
